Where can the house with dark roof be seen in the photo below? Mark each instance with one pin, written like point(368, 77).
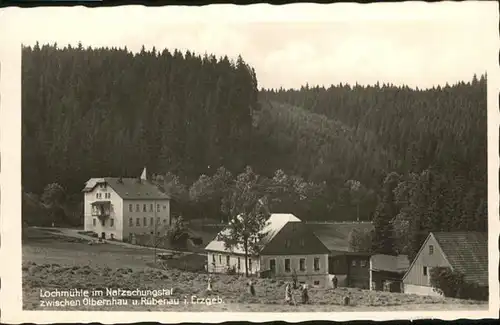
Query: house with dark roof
point(117, 207)
point(288, 248)
point(352, 269)
point(464, 252)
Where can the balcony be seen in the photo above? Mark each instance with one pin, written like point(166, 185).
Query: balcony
point(101, 209)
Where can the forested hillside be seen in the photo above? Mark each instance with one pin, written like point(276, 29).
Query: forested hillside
point(90, 112)
point(410, 160)
point(436, 140)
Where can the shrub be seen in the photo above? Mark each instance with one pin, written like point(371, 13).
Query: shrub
point(452, 284)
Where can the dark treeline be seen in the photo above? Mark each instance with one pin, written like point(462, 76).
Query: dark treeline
point(89, 112)
point(410, 160)
point(429, 147)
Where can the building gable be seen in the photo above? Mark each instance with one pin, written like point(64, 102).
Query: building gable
point(128, 188)
point(430, 255)
point(294, 238)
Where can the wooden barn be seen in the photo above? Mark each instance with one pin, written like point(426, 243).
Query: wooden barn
point(387, 271)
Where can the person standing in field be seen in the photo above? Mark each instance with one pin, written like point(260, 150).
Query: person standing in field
point(334, 281)
point(305, 294)
point(288, 293)
point(251, 288)
point(209, 285)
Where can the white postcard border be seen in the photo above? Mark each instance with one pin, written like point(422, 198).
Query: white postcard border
point(10, 147)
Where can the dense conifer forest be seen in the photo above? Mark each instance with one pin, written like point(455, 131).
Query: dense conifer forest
point(410, 160)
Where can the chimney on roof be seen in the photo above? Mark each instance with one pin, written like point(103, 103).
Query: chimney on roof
point(120, 180)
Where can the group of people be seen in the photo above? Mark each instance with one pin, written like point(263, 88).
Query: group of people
point(289, 295)
point(289, 298)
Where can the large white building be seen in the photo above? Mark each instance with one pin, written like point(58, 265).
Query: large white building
point(117, 208)
point(288, 247)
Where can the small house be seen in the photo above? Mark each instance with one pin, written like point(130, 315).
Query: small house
point(465, 252)
point(288, 249)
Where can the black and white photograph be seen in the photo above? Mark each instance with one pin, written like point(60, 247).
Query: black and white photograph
point(171, 161)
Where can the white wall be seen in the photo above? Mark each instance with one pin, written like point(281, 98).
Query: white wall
point(309, 276)
point(221, 266)
point(152, 212)
point(116, 209)
point(415, 274)
point(420, 290)
point(294, 264)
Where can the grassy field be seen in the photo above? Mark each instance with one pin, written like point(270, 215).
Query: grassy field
point(52, 262)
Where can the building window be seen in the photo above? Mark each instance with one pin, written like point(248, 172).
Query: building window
point(250, 265)
point(287, 243)
point(130, 208)
point(138, 222)
point(152, 221)
point(316, 283)
point(157, 208)
point(425, 270)
point(164, 221)
point(353, 262)
point(302, 242)
point(94, 222)
point(213, 258)
point(287, 265)
point(239, 263)
point(220, 259)
point(431, 249)
point(144, 221)
point(164, 207)
point(316, 264)
point(151, 207)
point(363, 263)
point(137, 208)
point(272, 265)
point(144, 208)
point(112, 222)
point(302, 264)
point(130, 222)
point(228, 259)
point(158, 220)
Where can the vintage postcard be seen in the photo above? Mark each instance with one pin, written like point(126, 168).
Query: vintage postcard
point(302, 162)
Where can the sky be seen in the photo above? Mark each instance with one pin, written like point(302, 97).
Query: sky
point(417, 44)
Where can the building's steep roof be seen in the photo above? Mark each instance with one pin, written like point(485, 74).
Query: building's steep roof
point(335, 235)
point(467, 253)
point(273, 226)
point(382, 262)
point(294, 238)
point(129, 188)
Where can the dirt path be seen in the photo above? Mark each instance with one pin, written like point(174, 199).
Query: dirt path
point(74, 233)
